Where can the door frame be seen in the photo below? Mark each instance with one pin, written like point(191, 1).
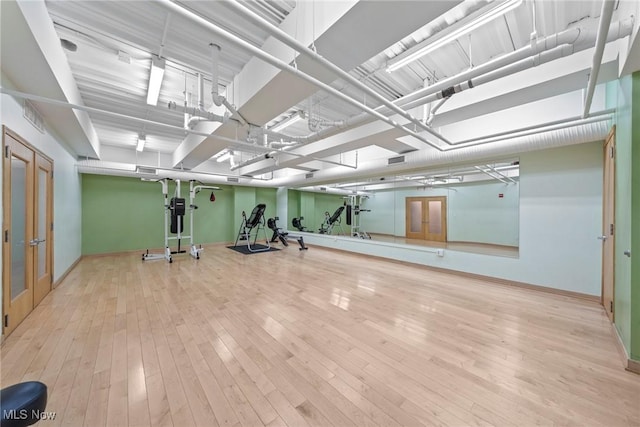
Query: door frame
point(31, 272)
point(423, 233)
point(607, 295)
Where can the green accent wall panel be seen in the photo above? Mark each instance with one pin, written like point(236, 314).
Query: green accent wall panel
point(269, 198)
point(244, 199)
point(125, 214)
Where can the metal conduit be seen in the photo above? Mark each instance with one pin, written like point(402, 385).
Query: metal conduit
point(270, 59)
point(296, 45)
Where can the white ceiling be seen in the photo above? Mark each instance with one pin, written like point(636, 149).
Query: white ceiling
point(116, 39)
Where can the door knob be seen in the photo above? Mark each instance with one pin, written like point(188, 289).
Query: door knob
point(603, 238)
point(35, 242)
point(627, 253)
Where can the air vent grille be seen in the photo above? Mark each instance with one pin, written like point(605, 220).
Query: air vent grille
point(232, 179)
point(32, 115)
point(395, 160)
point(146, 170)
point(309, 175)
point(323, 188)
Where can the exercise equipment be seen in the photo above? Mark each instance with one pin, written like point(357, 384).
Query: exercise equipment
point(297, 223)
point(283, 236)
point(174, 211)
point(23, 404)
point(354, 208)
point(252, 226)
point(330, 221)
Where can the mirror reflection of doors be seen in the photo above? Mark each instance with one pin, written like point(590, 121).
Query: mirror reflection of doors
point(426, 218)
point(27, 229)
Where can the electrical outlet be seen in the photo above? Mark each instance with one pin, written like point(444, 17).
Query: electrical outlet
point(440, 252)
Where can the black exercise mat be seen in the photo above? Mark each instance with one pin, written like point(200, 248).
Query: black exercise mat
point(244, 250)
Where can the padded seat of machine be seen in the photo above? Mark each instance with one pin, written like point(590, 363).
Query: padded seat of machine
point(21, 403)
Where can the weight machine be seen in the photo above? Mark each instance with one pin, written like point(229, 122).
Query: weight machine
point(354, 207)
point(330, 221)
point(255, 222)
point(283, 236)
point(297, 223)
point(174, 211)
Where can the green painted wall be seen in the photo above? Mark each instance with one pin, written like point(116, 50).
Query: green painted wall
point(635, 225)
point(125, 214)
point(624, 94)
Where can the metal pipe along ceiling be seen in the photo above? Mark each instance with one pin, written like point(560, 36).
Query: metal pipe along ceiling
point(601, 41)
point(296, 45)
point(570, 134)
point(270, 59)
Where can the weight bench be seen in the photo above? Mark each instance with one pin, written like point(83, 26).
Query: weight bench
point(279, 234)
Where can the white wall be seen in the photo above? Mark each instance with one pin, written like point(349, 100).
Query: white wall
point(560, 217)
point(67, 213)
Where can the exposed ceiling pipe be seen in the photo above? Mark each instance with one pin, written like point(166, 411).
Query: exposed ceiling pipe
point(491, 175)
point(270, 59)
point(497, 172)
point(540, 129)
point(215, 58)
point(99, 167)
point(423, 159)
point(295, 44)
point(218, 99)
point(194, 111)
point(578, 39)
point(581, 38)
point(201, 92)
point(274, 155)
point(601, 41)
point(528, 130)
point(434, 110)
point(240, 145)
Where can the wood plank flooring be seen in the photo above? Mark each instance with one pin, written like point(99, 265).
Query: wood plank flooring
point(314, 338)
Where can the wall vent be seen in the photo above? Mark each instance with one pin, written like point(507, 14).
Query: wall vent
point(146, 170)
point(309, 175)
point(395, 160)
point(323, 188)
point(31, 114)
point(232, 179)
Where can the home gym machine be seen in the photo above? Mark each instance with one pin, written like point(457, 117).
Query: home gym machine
point(354, 208)
point(174, 212)
point(330, 221)
point(283, 236)
point(252, 226)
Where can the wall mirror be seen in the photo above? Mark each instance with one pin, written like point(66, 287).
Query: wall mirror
point(470, 208)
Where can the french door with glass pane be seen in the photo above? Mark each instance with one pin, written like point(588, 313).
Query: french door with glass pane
point(426, 218)
point(27, 229)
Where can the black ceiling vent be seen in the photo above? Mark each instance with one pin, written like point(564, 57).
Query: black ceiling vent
point(323, 188)
point(308, 175)
point(232, 179)
point(395, 160)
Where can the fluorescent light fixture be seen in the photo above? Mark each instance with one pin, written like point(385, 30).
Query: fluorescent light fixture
point(287, 122)
point(155, 80)
point(419, 52)
point(142, 139)
point(224, 157)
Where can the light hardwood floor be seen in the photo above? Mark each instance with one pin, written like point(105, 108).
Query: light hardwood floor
point(314, 338)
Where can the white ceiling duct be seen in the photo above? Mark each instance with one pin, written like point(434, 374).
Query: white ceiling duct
point(99, 167)
point(571, 134)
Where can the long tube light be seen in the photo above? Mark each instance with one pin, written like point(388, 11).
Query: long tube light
point(155, 80)
point(287, 122)
point(494, 13)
